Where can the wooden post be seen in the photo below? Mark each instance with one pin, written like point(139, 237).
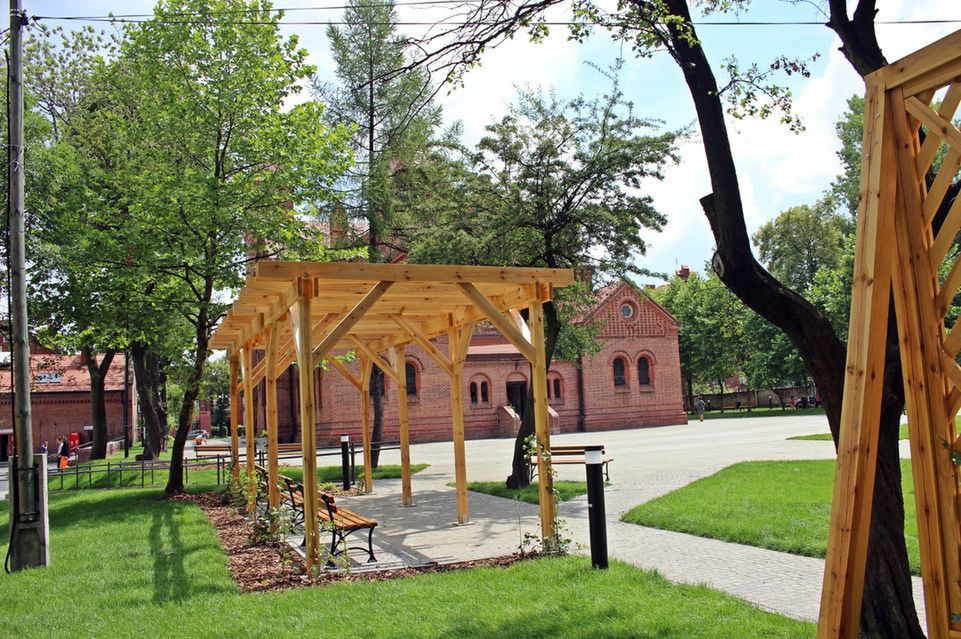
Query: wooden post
point(300, 325)
point(397, 361)
point(234, 420)
point(246, 365)
point(365, 371)
point(541, 426)
point(270, 382)
point(458, 354)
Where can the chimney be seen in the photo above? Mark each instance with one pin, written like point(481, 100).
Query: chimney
point(684, 272)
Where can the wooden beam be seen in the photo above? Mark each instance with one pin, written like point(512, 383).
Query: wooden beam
point(428, 273)
point(376, 359)
point(365, 371)
point(340, 366)
point(860, 413)
point(234, 421)
point(415, 333)
point(503, 324)
point(250, 486)
point(458, 355)
point(542, 431)
point(348, 321)
point(300, 324)
point(273, 475)
point(397, 360)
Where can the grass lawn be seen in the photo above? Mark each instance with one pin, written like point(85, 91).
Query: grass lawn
point(125, 563)
point(731, 413)
point(565, 490)
point(902, 434)
point(69, 480)
point(782, 505)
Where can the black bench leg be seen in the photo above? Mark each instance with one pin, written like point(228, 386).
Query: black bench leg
point(333, 547)
point(370, 546)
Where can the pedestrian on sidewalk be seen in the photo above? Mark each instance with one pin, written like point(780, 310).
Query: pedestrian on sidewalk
point(700, 408)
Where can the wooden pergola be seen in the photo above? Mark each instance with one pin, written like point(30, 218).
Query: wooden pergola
point(303, 312)
point(907, 225)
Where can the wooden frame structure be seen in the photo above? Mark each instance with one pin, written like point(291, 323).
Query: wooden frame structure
point(305, 312)
point(906, 230)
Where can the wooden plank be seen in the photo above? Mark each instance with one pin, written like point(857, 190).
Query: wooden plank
point(931, 143)
point(348, 321)
point(503, 324)
point(374, 357)
point(937, 125)
point(234, 421)
point(950, 287)
point(300, 324)
point(914, 242)
point(542, 432)
point(398, 362)
point(273, 475)
point(849, 529)
point(342, 368)
point(246, 365)
point(458, 356)
point(421, 340)
point(947, 73)
point(939, 187)
point(921, 62)
point(429, 273)
point(947, 233)
point(365, 371)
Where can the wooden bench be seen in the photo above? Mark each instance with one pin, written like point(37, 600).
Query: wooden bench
point(568, 455)
point(212, 450)
point(342, 522)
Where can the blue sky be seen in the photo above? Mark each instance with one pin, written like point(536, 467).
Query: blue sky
point(777, 169)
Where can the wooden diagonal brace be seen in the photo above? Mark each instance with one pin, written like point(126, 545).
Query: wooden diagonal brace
point(377, 359)
point(506, 326)
point(351, 318)
point(408, 327)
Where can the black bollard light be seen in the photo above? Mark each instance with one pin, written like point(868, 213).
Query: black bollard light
point(345, 459)
point(596, 513)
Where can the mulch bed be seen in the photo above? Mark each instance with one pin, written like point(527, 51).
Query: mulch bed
point(268, 566)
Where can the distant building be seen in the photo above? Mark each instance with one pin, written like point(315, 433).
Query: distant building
point(634, 381)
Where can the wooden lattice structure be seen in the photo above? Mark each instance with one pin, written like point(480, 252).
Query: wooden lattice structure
point(305, 312)
point(906, 233)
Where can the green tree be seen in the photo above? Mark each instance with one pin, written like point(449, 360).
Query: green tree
point(214, 160)
point(558, 184)
point(801, 240)
point(393, 119)
point(850, 130)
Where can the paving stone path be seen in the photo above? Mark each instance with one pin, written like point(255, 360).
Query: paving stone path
point(647, 463)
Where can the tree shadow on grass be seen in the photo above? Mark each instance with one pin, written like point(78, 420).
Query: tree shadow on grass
point(166, 545)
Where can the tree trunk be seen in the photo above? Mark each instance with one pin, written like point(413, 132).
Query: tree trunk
point(376, 386)
point(689, 404)
point(888, 580)
point(98, 405)
point(151, 380)
point(520, 468)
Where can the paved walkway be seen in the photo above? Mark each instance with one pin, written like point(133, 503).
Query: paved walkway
point(647, 463)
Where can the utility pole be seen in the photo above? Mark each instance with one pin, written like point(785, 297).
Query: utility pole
point(29, 528)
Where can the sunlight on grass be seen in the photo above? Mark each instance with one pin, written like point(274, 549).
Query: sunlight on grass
point(902, 434)
point(565, 490)
point(127, 561)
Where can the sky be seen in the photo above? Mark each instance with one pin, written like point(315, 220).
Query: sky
point(777, 169)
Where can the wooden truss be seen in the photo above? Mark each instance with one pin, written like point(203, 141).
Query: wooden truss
point(905, 251)
point(305, 312)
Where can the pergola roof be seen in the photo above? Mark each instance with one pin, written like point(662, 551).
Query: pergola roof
point(397, 303)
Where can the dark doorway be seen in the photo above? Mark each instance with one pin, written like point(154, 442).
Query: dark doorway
point(4, 446)
point(517, 396)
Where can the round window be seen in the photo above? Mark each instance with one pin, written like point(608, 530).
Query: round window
point(627, 310)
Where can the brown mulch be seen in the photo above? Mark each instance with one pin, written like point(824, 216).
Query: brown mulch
point(258, 567)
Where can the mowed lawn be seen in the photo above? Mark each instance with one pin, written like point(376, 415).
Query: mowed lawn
point(565, 490)
point(125, 564)
point(781, 505)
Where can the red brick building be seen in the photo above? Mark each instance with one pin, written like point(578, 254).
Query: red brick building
point(635, 380)
point(60, 399)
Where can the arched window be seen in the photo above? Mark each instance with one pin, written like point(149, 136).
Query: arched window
point(644, 371)
point(619, 375)
point(411, 371)
point(557, 388)
point(485, 397)
point(549, 396)
point(473, 392)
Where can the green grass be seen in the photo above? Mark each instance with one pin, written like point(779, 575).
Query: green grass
point(781, 505)
point(124, 562)
point(565, 490)
point(731, 413)
point(334, 474)
point(902, 434)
